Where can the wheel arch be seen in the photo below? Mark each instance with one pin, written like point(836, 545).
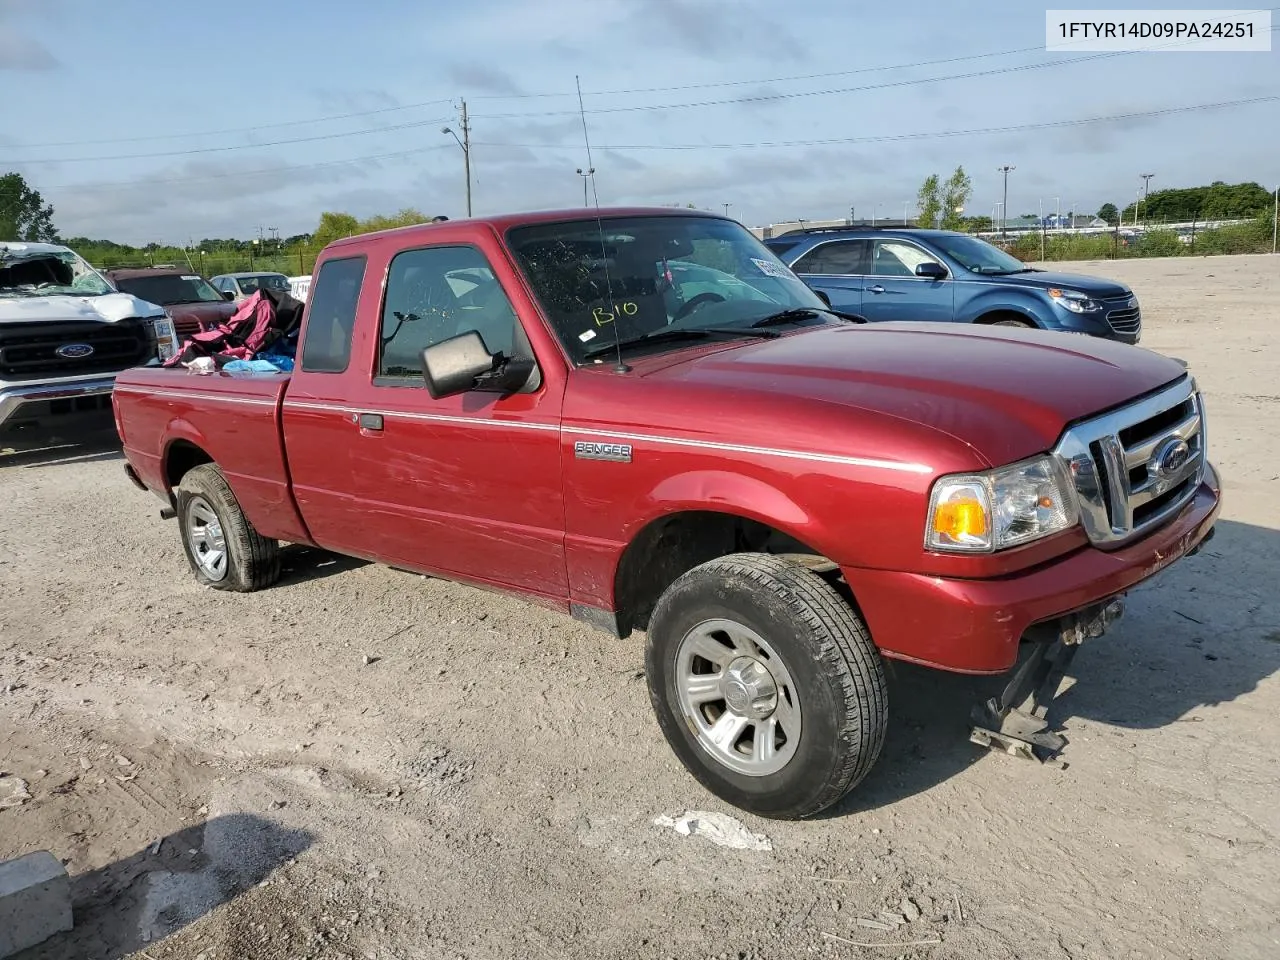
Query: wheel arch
point(673, 543)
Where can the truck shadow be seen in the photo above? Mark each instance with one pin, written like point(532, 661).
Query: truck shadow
point(137, 901)
point(1203, 633)
point(299, 563)
point(84, 447)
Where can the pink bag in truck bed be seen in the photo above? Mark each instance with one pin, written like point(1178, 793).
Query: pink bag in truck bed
point(253, 327)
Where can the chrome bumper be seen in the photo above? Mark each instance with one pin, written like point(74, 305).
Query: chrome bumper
point(13, 398)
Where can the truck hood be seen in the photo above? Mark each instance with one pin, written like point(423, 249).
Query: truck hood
point(108, 308)
point(1093, 286)
point(1006, 393)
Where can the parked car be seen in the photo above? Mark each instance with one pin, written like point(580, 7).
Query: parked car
point(64, 336)
point(940, 275)
point(781, 498)
point(187, 297)
point(238, 287)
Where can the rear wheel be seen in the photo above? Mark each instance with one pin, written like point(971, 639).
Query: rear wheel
point(1012, 323)
point(224, 550)
point(766, 685)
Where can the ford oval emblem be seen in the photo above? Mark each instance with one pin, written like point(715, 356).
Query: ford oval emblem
point(74, 351)
point(1171, 457)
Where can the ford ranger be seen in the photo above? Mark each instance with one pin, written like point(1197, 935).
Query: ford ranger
point(642, 418)
point(64, 335)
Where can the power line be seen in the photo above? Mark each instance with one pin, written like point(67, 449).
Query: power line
point(890, 138)
point(796, 95)
point(245, 146)
point(216, 133)
point(242, 174)
point(812, 76)
point(884, 138)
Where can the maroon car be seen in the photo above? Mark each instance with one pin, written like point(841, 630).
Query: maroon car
point(186, 296)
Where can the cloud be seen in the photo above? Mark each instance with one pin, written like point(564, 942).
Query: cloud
point(20, 52)
point(712, 28)
point(476, 77)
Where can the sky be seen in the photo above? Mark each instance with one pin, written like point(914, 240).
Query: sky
point(151, 121)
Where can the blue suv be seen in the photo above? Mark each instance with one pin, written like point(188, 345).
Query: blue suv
point(911, 274)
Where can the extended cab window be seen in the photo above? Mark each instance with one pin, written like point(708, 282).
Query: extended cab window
point(836, 258)
point(436, 293)
point(331, 315)
point(897, 259)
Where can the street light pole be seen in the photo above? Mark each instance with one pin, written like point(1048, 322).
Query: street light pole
point(465, 143)
point(1146, 186)
point(726, 208)
point(585, 177)
point(1004, 207)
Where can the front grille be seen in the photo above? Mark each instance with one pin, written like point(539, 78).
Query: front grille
point(1123, 315)
point(1136, 466)
point(31, 349)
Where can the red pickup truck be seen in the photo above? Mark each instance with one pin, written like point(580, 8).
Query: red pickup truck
point(642, 418)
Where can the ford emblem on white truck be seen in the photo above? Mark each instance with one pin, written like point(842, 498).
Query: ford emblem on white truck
point(591, 450)
point(74, 351)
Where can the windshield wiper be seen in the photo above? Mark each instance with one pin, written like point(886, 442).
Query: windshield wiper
point(682, 333)
point(793, 314)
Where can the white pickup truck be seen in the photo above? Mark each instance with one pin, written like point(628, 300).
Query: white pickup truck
point(65, 333)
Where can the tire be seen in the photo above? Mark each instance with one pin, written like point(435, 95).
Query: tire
point(209, 518)
point(828, 677)
point(1012, 323)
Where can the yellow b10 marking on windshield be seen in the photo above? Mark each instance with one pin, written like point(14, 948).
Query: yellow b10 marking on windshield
point(602, 316)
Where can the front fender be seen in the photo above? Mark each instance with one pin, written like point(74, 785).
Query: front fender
point(1024, 304)
point(722, 491)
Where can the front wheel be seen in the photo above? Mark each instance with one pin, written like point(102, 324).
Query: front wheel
point(766, 685)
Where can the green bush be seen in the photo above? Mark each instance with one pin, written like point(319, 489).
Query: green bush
point(1158, 243)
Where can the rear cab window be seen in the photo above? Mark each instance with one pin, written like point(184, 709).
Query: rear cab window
point(331, 315)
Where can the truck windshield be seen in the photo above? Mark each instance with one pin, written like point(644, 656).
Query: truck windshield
point(644, 275)
point(170, 288)
point(49, 275)
point(978, 256)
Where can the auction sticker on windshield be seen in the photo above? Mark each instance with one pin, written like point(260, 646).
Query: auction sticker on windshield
point(770, 269)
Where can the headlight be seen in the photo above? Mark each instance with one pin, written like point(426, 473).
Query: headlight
point(981, 512)
point(1073, 301)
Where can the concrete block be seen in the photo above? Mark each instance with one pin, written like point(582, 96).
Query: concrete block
point(35, 901)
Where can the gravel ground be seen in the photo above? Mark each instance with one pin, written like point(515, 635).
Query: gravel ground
point(365, 763)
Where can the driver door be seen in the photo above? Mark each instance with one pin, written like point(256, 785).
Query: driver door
point(468, 485)
point(894, 292)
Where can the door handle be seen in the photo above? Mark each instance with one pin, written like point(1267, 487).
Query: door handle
point(875, 288)
point(370, 421)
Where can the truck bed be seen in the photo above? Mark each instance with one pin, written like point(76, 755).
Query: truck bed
point(167, 416)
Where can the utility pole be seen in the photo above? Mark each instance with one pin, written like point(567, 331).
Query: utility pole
point(726, 208)
point(465, 143)
point(1146, 186)
point(1275, 219)
point(585, 177)
point(853, 210)
point(1004, 207)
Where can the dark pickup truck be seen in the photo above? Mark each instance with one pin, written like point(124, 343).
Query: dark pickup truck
point(645, 420)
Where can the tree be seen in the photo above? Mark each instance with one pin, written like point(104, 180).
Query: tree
point(928, 201)
point(334, 226)
point(404, 218)
point(1109, 213)
point(955, 196)
point(23, 213)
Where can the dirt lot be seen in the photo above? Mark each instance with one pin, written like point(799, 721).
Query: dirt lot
point(366, 763)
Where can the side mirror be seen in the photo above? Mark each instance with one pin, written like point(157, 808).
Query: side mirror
point(228, 295)
point(932, 270)
point(463, 363)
